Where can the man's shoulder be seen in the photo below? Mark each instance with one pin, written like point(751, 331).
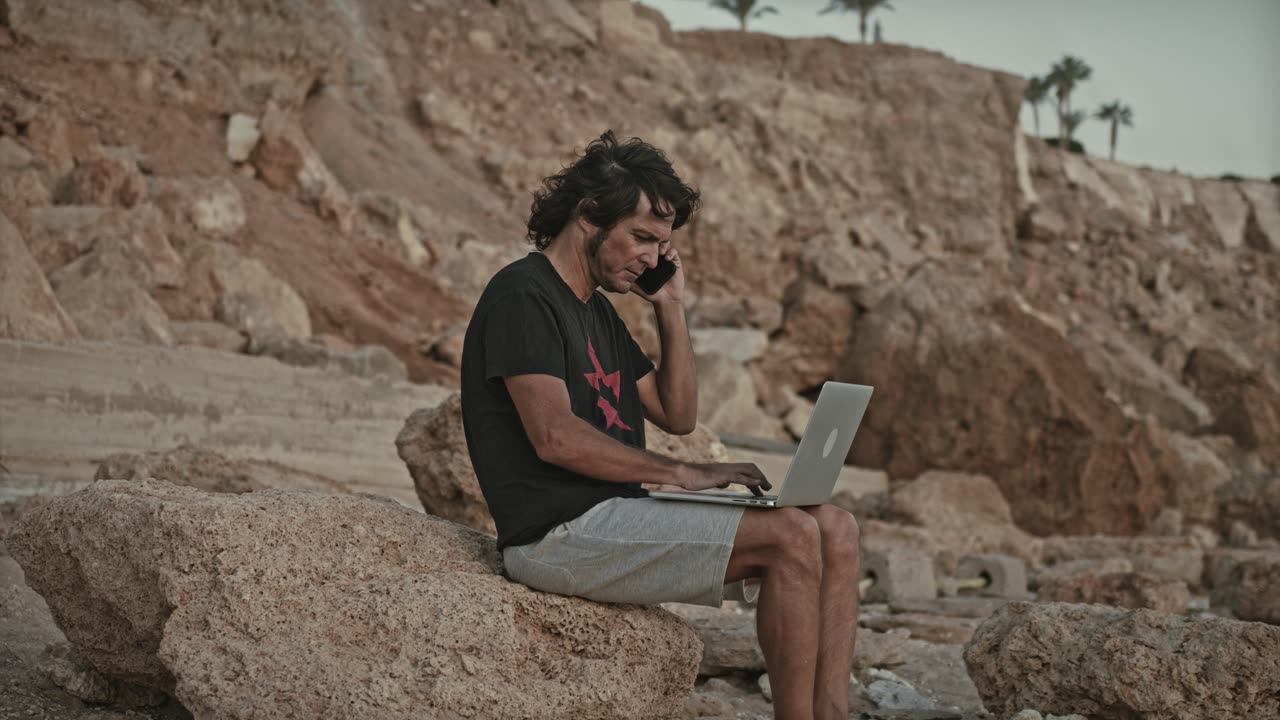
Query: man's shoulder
point(523, 276)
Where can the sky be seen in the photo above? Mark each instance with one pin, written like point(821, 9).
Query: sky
point(1203, 79)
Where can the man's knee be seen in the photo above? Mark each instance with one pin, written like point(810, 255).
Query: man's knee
point(841, 536)
point(798, 540)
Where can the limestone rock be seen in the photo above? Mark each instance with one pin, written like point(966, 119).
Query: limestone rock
point(84, 240)
point(227, 592)
point(700, 446)
point(1254, 501)
point(242, 136)
point(1245, 401)
point(1062, 570)
point(112, 306)
point(1191, 472)
point(727, 400)
point(1112, 664)
point(108, 177)
point(753, 312)
point(433, 445)
point(950, 355)
point(208, 470)
point(1121, 589)
point(286, 160)
point(214, 335)
point(1178, 558)
point(29, 310)
point(1227, 209)
point(1263, 231)
point(368, 361)
point(965, 514)
point(209, 207)
point(1221, 562)
point(815, 336)
point(1252, 590)
point(740, 345)
point(255, 298)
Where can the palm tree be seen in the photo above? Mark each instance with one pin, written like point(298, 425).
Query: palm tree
point(1070, 122)
point(743, 9)
point(1065, 75)
point(1118, 115)
point(863, 8)
point(1036, 94)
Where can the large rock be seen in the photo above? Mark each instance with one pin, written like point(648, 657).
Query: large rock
point(228, 601)
point(85, 239)
point(1255, 501)
point(1180, 558)
point(28, 308)
point(433, 445)
point(218, 272)
point(1121, 589)
point(1111, 664)
point(973, 379)
point(1252, 590)
point(965, 514)
point(727, 399)
point(1191, 474)
point(1245, 401)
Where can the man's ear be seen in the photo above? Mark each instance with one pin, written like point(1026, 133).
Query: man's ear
point(585, 205)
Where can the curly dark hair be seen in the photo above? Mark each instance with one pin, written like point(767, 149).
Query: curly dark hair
point(610, 176)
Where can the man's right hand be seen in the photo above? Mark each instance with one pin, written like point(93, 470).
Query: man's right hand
point(704, 476)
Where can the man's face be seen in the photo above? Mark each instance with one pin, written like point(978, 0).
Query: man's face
point(629, 248)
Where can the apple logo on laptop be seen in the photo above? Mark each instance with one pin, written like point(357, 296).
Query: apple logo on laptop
point(831, 442)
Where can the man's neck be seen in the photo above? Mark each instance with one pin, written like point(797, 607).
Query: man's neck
point(570, 260)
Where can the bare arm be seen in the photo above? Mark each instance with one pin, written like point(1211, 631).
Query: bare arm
point(670, 396)
point(562, 438)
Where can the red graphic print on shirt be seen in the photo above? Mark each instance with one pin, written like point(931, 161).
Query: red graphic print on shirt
point(612, 381)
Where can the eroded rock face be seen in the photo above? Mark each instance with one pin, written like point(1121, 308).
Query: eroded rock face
point(215, 598)
point(987, 384)
point(1112, 664)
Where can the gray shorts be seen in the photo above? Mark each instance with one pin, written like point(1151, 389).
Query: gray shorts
point(637, 550)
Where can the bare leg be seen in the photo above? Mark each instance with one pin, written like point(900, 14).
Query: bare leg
point(783, 546)
point(839, 611)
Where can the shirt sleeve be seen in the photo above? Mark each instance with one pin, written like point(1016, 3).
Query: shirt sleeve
point(522, 337)
point(641, 362)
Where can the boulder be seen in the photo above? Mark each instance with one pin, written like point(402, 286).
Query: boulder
point(210, 207)
point(29, 310)
point(1263, 231)
point(107, 305)
point(108, 177)
point(434, 446)
point(1219, 563)
point(742, 345)
point(230, 601)
point(965, 514)
point(1190, 472)
point(1252, 590)
point(286, 161)
point(969, 377)
point(242, 136)
point(205, 469)
point(1114, 664)
point(1121, 589)
point(727, 400)
point(1178, 558)
point(1244, 400)
point(256, 300)
point(1253, 501)
point(817, 327)
point(209, 334)
point(85, 239)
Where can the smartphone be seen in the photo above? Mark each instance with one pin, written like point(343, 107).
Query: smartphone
point(652, 280)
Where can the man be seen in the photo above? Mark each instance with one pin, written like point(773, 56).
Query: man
point(554, 396)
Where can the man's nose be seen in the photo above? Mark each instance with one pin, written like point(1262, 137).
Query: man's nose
point(650, 260)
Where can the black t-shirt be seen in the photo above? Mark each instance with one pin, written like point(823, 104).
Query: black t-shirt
point(527, 321)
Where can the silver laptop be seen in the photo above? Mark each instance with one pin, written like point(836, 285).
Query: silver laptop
point(815, 467)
